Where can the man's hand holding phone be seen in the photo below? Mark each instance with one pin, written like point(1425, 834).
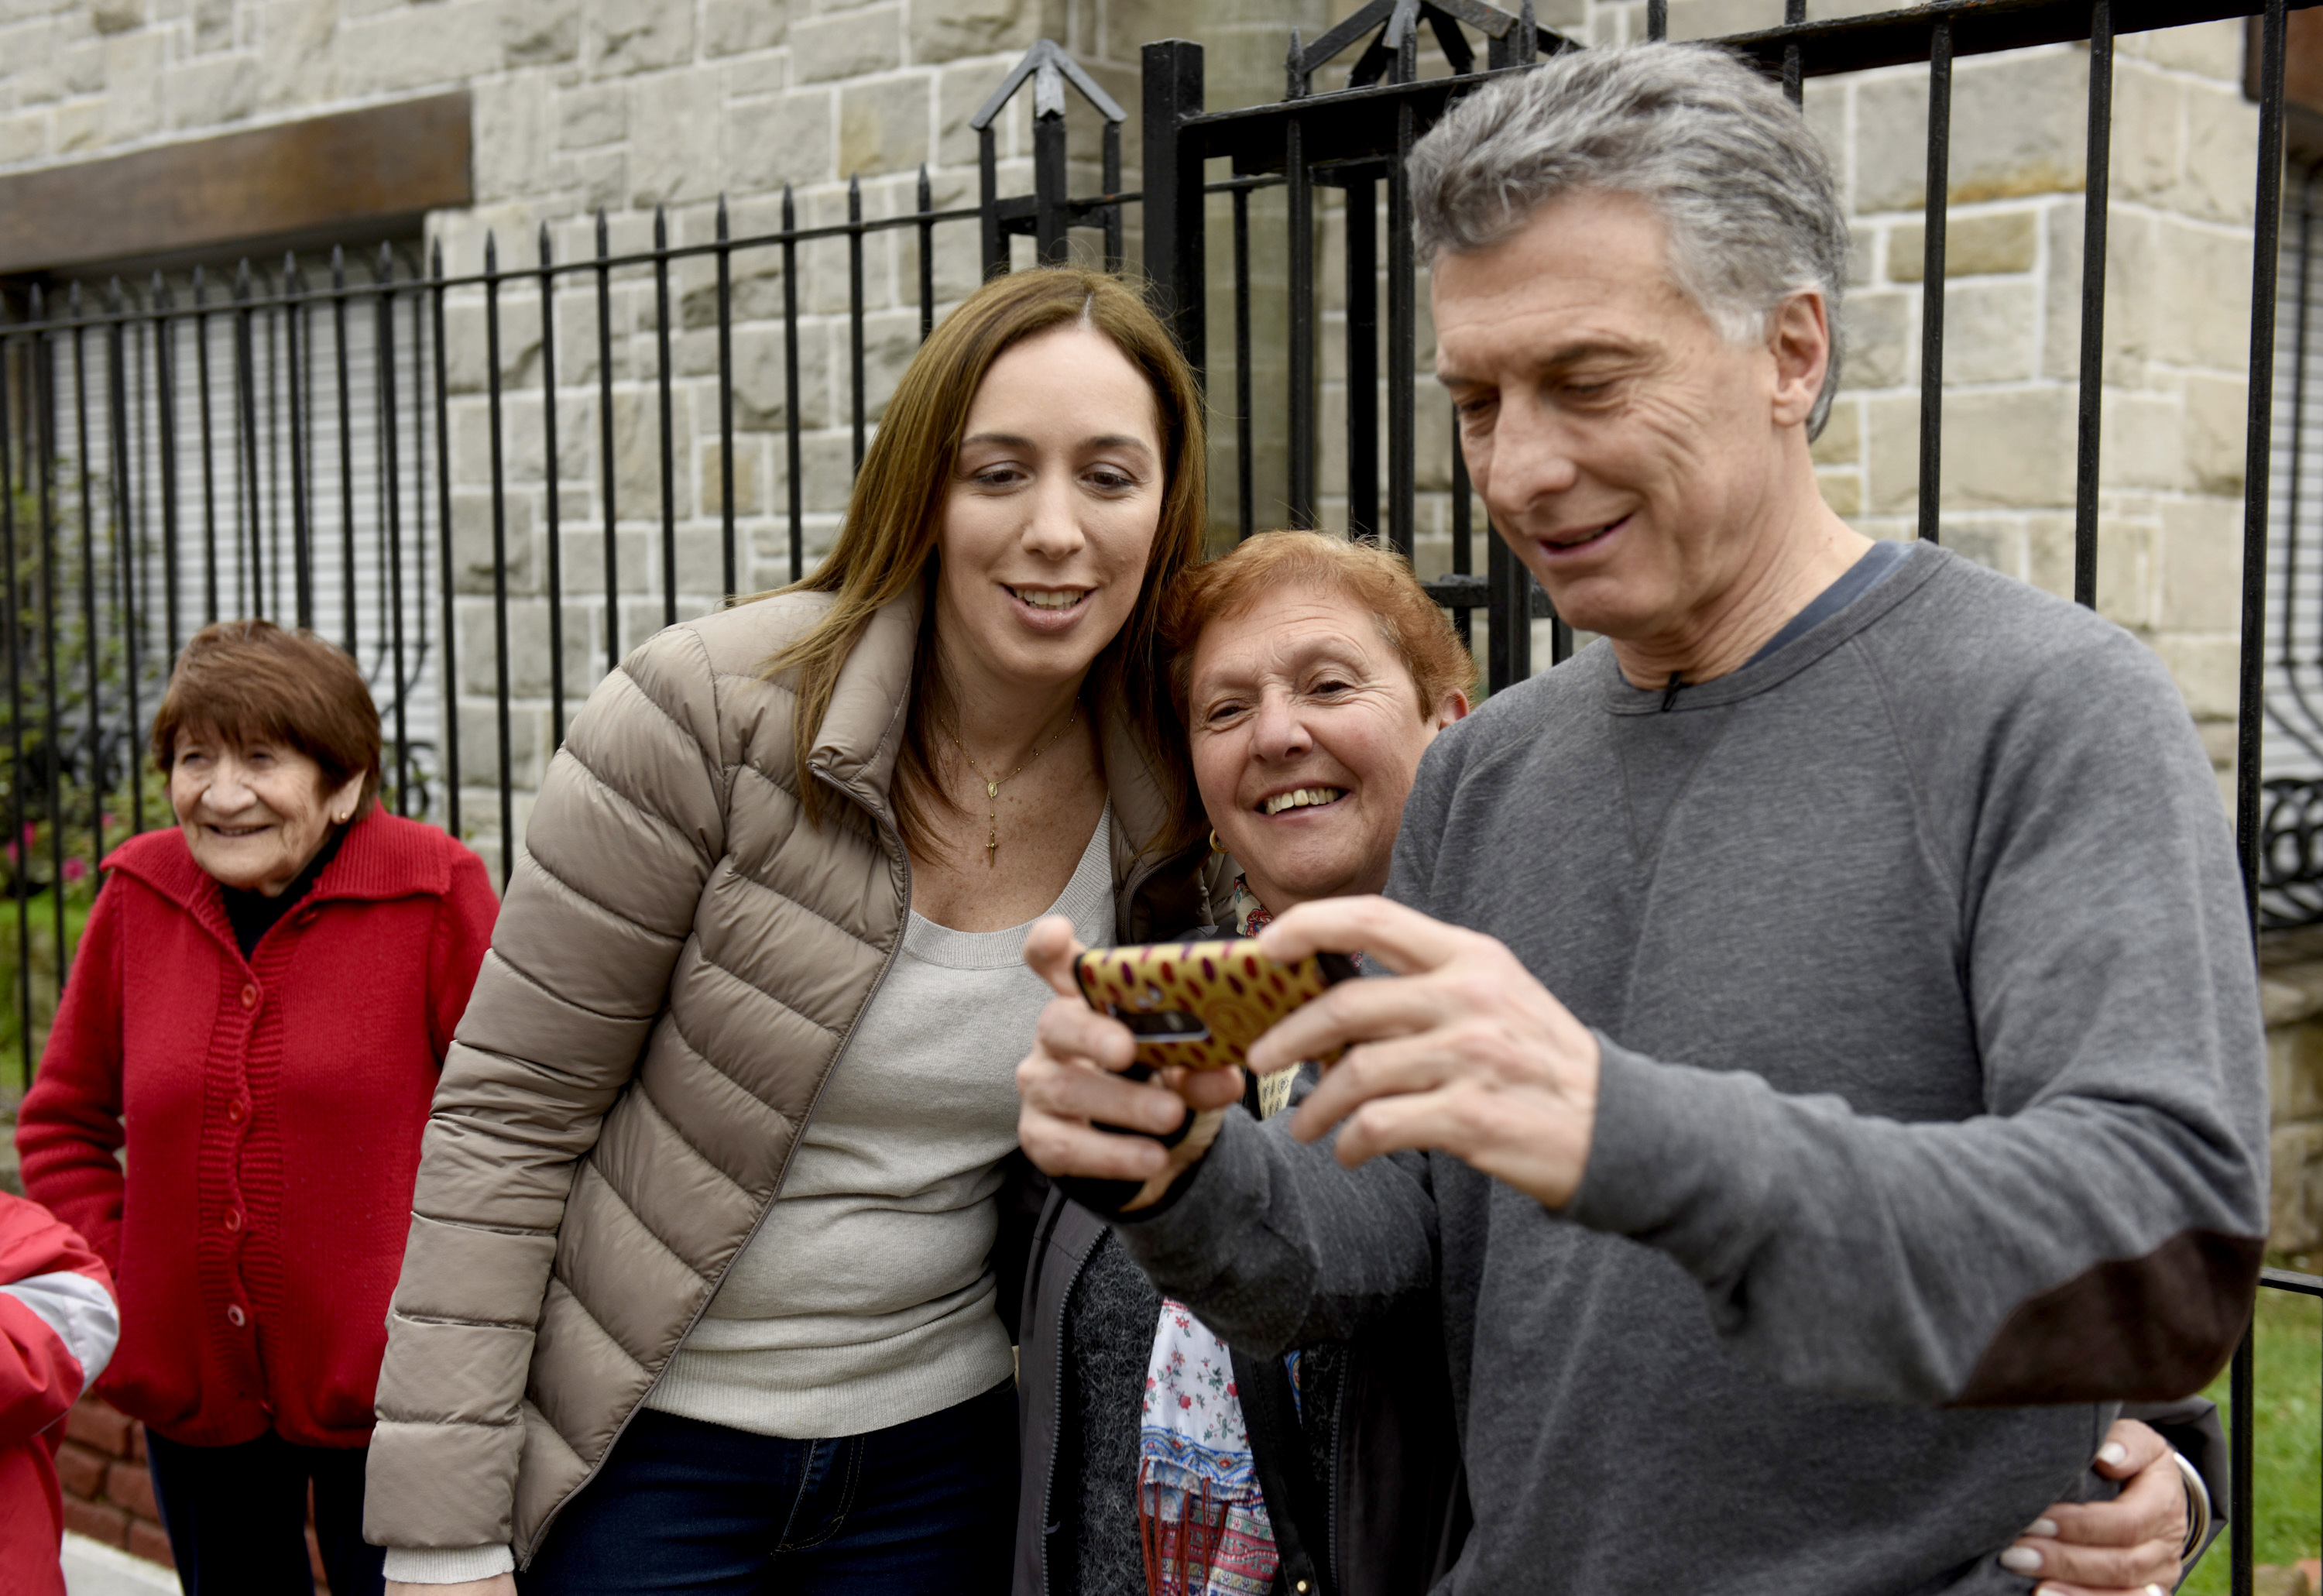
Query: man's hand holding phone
point(1071, 1082)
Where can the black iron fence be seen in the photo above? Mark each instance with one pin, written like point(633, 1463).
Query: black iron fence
point(488, 482)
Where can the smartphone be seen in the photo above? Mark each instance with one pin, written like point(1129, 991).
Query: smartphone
point(1199, 1006)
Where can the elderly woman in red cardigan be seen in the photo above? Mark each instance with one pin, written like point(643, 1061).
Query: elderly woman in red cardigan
point(255, 1020)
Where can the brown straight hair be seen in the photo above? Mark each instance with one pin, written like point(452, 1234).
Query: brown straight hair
point(250, 681)
point(888, 542)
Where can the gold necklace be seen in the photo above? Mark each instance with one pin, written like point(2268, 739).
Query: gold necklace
point(992, 788)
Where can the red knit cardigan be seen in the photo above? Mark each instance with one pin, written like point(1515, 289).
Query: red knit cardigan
point(273, 1110)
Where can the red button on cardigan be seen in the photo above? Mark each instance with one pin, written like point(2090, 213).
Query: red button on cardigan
point(260, 1225)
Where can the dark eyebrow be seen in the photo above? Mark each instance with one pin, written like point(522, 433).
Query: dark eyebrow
point(1111, 440)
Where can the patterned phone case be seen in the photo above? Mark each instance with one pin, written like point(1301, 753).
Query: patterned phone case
point(1231, 991)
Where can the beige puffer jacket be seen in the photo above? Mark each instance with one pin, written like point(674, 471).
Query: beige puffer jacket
point(679, 961)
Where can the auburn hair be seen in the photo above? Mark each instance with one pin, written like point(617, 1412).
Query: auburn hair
point(1377, 580)
point(888, 544)
point(246, 682)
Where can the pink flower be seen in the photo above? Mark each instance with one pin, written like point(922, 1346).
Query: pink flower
point(32, 830)
point(75, 870)
point(1185, 1402)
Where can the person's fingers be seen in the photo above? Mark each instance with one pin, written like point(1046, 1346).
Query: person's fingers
point(1049, 949)
point(1350, 1012)
point(1070, 1028)
point(2151, 1506)
point(1402, 939)
point(2130, 1448)
point(1415, 1119)
point(1071, 1089)
point(2094, 1568)
point(1059, 1146)
point(1377, 1070)
point(1203, 1090)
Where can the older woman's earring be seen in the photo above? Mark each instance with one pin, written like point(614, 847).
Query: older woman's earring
point(1215, 846)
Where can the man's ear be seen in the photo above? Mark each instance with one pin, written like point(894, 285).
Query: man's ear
point(1798, 336)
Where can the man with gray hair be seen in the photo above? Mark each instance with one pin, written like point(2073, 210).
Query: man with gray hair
point(1822, 1076)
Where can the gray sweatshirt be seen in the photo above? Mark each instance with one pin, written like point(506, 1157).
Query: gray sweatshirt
point(1932, 1084)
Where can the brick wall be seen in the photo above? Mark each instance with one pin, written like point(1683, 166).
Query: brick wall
point(108, 1496)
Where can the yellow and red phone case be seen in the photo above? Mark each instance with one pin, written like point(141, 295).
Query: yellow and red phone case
point(1236, 992)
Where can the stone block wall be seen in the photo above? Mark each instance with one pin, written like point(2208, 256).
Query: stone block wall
point(633, 105)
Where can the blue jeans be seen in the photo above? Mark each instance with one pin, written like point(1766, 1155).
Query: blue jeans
point(915, 1509)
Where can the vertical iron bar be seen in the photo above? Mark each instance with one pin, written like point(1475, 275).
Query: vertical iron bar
point(270, 318)
point(555, 504)
point(669, 430)
point(2095, 198)
point(91, 641)
point(927, 200)
point(44, 442)
point(1112, 179)
point(791, 387)
point(246, 379)
point(20, 852)
point(301, 554)
point(419, 503)
point(165, 414)
point(605, 443)
point(1050, 185)
point(1795, 12)
point(1243, 496)
point(209, 460)
point(1362, 226)
point(725, 408)
point(392, 491)
point(1464, 556)
point(988, 178)
point(1300, 190)
point(2257, 465)
point(500, 556)
point(1656, 19)
point(2285, 641)
point(346, 455)
point(855, 310)
point(1932, 278)
point(450, 666)
point(125, 542)
point(2242, 1410)
point(1508, 594)
point(1402, 316)
point(1174, 222)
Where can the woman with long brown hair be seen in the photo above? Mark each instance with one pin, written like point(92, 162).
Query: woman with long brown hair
point(700, 1291)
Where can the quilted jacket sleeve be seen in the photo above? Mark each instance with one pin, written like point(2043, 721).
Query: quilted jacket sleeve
point(629, 822)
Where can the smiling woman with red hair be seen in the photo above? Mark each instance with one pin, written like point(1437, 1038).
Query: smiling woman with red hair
point(265, 994)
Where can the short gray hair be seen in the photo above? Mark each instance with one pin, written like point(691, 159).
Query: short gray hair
point(1726, 162)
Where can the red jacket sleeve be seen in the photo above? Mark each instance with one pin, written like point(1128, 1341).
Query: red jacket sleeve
point(464, 931)
point(58, 1323)
point(68, 1126)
